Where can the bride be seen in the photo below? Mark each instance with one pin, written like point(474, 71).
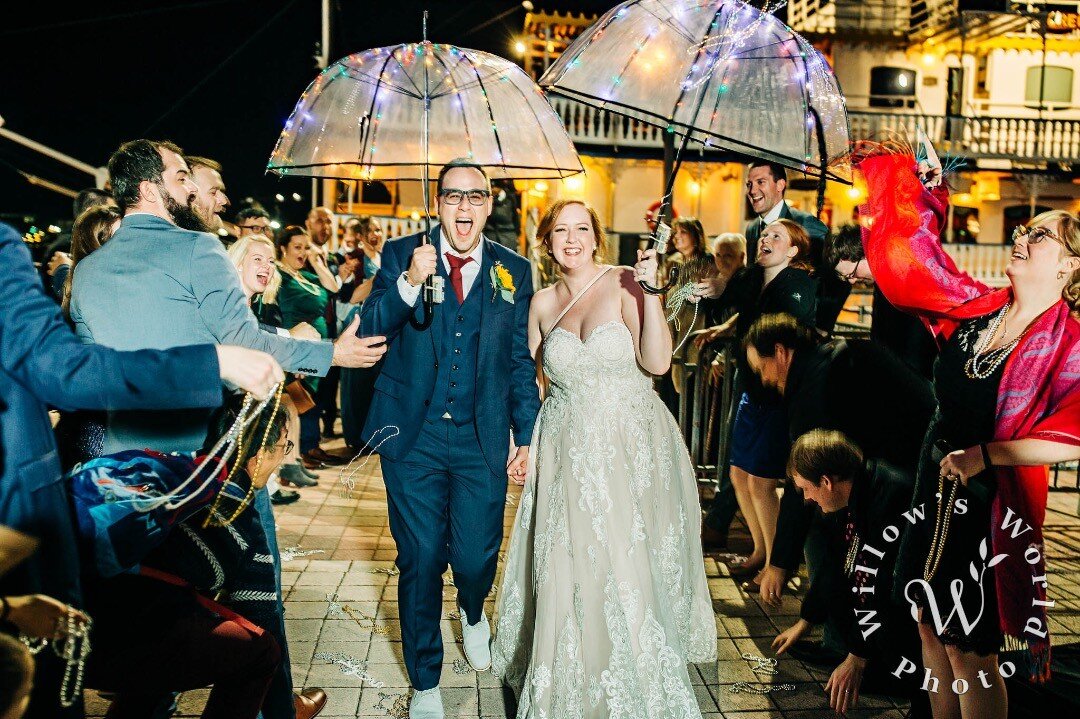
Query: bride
point(604, 599)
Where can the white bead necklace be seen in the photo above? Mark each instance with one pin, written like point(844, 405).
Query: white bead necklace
point(985, 361)
point(73, 648)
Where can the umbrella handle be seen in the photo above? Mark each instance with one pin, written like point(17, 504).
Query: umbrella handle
point(660, 237)
point(673, 277)
point(432, 293)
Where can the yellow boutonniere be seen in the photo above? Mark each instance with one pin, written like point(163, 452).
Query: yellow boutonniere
point(502, 282)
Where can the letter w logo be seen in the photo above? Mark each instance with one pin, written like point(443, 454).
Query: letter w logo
point(956, 589)
point(866, 620)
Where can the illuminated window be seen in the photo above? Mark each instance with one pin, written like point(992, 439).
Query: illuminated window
point(892, 87)
point(1055, 88)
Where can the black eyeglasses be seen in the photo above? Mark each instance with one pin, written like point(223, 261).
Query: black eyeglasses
point(255, 228)
point(454, 197)
point(1035, 235)
point(289, 446)
point(850, 276)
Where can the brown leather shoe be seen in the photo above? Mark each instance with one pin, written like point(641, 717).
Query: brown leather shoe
point(312, 464)
point(309, 703)
point(320, 455)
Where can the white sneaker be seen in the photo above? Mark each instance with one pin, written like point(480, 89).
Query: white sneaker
point(426, 705)
point(476, 640)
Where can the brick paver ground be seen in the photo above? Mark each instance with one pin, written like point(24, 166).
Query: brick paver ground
point(353, 567)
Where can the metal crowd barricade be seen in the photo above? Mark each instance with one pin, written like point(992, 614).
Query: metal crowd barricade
point(704, 411)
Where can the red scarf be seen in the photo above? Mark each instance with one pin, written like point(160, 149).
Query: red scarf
point(1039, 396)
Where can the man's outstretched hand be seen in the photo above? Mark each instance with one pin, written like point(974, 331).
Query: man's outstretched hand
point(353, 351)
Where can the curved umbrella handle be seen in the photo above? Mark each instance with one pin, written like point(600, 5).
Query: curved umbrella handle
point(428, 304)
point(672, 278)
point(431, 293)
point(660, 238)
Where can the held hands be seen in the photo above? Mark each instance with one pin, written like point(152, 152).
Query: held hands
point(250, 370)
point(39, 616)
point(422, 265)
point(353, 351)
point(963, 464)
point(843, 685)
point(516, 465)
point(647, 267)
point(785, 639)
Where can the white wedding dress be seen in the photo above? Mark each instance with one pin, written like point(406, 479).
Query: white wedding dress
point(604, 599)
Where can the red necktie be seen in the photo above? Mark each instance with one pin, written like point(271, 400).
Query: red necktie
point(456, 263)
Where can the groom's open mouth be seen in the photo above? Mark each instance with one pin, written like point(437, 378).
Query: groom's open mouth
point(463, 226)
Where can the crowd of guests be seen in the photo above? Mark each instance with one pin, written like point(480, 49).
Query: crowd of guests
point(168, 302)
point(950, 412)
point(954, 407)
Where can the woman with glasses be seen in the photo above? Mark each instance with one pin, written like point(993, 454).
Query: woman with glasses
point(203, 608)
point(1007, 382)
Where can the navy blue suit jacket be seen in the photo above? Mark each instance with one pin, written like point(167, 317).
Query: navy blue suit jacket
point(43, 363)
point(507, 397)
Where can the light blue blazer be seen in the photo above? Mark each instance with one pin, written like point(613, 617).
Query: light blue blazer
point(156, 286)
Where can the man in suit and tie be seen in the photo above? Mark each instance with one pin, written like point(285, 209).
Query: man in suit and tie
point(766, 184)
point(459, 393)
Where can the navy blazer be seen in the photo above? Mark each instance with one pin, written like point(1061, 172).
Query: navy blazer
point(43, 363)
point(507, 396)
point(813, 226)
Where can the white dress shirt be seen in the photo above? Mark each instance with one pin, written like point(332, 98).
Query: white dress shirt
point(774, 214)
point(410, 294)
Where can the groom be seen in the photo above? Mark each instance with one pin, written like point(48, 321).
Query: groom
point(460, 392)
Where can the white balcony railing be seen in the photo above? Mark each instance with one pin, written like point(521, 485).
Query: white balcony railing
point(1012, 138)
point(985, 263)
point(589, 126)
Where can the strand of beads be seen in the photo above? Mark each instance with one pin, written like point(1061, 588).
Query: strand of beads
point(986, 361)
point(76, 648)
point(748, 688)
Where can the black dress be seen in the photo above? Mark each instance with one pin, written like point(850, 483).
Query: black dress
point(967, 408)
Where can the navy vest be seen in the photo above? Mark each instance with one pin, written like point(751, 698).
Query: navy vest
point(459, 326)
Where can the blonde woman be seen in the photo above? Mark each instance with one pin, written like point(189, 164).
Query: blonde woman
point(253, 256)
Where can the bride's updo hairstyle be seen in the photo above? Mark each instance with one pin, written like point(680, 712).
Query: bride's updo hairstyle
point(1069, 230)
point(547, 224)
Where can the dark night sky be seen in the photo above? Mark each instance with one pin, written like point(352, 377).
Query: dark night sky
point(83, 80)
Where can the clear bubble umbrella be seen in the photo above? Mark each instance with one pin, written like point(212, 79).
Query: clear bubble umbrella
point(402, 112)
point(396, 113)
point(718, 72)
